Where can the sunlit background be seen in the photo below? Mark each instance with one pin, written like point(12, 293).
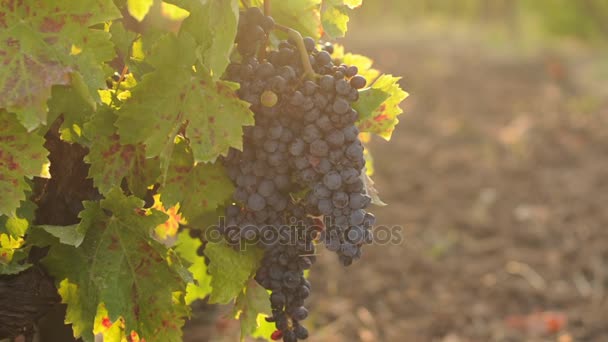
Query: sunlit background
point(497, 173)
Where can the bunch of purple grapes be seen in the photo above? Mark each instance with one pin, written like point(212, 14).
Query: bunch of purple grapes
point(301, 164)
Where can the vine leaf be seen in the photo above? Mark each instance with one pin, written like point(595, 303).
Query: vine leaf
point(122, 39)
point(213, 25)
point(201, 287)
point(45, 43)
point(13, 254)
point(22, 155)
point(13, 259)
point(174, 96)
point(264, 328)
point(252, 301)
point(112, 161)
point(230, 270)
point(118, 264)
point(74, 110)
point(167, 231)
point(378, 106)
point(334, 16)
point(110, 331)
point(198, 188)
point(68, 235)
point(301, 15)
point(139, 8)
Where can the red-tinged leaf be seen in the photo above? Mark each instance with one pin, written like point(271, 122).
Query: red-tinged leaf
point(198, 188)
point(42, 43)
point(22, 155)
point(120, 265)
point(111, 161)
point(173, 99)
point(378, 106)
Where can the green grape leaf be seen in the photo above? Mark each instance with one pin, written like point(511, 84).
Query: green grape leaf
point(301, 15)
point(22, 155)
point(173, 12)
point(112, 161)
point(44, 43)
point(75, 111)
point(68, 235)
point(378, 106)
point(369, 100)
point(72, 235)
point(18, 258)
point(139, 8)
point(17, 225)
point(120, 265)
point(201, 287)
point(123, 39)
point(251, 302)
point(230, 270)
point(175, 98)
point(198, 188)
point(213, 25)
point(13, 254)
point(334, 16)
point(334, 19)
point(264, 329)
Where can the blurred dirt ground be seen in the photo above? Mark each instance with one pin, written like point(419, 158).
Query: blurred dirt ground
point(498, 174)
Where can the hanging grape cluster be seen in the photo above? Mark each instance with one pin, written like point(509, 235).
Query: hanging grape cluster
point(299, 175)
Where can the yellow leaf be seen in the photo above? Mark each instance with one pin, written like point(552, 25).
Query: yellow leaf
point(170, 227)
point(173, 12)
point(139, 8)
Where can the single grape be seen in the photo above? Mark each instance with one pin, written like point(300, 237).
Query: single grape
point(351, 71)
point(299, 313)
point(332, 180)
point(358, 82)
point(269, 98)
point(309, 43)
point(319, 148)
point(256, 202)
point(341, 106)
point(323, 58)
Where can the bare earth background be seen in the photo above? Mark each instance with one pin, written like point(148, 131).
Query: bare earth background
point(498, 174)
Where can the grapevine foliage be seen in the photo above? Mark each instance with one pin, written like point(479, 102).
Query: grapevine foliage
point(172, 136)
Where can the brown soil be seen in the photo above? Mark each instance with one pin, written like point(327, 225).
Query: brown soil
point(498, 176)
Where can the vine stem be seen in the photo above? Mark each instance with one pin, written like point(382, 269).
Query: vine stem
point(125, 69)
point(297, 38)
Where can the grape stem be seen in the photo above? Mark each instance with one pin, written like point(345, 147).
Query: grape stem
point(267, 7)
point(297, 38)
point(262, 51)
